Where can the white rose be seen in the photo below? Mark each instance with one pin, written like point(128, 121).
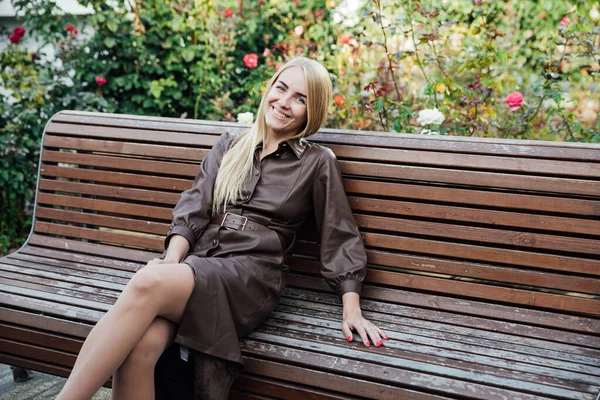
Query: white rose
point(245, 118)
point(594, 14)
point(430, 117)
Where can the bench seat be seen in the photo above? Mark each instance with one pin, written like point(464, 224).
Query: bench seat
point(484, 261)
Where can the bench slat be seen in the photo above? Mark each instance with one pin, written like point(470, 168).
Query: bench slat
point(460, 144)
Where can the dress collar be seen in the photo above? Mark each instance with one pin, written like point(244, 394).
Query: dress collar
point(298, 146)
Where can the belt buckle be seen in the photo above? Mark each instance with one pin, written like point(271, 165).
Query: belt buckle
point(243, 225)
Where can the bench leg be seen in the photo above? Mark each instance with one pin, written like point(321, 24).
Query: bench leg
point(20, 374)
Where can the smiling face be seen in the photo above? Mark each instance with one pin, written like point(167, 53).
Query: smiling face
point(286, 103)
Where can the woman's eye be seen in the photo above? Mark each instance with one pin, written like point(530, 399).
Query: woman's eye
point(281, 88)
point(301, 100)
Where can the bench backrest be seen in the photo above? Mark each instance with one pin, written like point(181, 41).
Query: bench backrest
point(498, 221)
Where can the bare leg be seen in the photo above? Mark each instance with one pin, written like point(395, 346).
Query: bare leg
point(135, 377)
point(156, 290)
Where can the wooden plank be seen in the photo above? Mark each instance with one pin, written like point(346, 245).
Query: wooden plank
point(17, 278)
point(119, 178)
point(106, 251)
point(478, 380)
point(45, 323)
point(552, 326)
point(283, 390)
point(489, 199)
point(407, 263)
point(122, 163)
point(58, 277)
point(471, 252)
point(107, 191)
point(93, 234)
point(67, 312)
point(468, 161)
point(491, 360)
point(523, 148)
point(118, 147)
point(43, 339)
point(415, 330)
point(105, 269)
point(37, 353)
point(477, 179)
point(53, 297)
point(106, 206)
point(130, 134)
point(45, 368)
point(105, 221)
point(386, 374)
point(494, 218)
point(55, 293)
point(78, 259)
point(485, 235)
point(329, 381)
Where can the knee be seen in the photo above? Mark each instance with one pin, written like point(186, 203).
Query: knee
point(145, 282)
point(146, 352)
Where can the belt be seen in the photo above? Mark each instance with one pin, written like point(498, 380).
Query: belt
point(234, 222)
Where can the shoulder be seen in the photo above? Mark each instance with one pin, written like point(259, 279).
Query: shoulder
point(321, 153)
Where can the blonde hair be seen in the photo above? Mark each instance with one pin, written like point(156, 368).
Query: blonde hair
point(238, 163)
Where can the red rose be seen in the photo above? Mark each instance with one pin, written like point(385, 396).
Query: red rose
point(19, 31)
point(565, 21)
point(339, 100)
point(343, 39)
point(14, 38)
point(514, 100)
point(229, 13)
point(75, 32)
point(70, 28)
point(35, 56)
point(270, 62)
point(319, 12)
point(101, 81)
point(251, 60)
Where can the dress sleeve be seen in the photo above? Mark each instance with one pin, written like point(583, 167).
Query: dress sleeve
point(192, 214)
point(343, 257)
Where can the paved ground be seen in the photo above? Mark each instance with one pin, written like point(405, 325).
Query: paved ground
point(39, 387)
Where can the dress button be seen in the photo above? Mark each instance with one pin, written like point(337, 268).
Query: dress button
point(214, 242)
point(285, 144)
point(276, 154)
point(257, 173)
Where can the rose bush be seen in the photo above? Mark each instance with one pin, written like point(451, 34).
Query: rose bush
point(391, 67)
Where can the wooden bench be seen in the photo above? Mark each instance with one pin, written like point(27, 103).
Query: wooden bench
point(484, 261)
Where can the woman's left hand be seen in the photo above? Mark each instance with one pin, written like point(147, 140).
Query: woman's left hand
point(364, 327)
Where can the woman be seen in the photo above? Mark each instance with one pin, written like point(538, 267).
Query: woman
point(223, 270)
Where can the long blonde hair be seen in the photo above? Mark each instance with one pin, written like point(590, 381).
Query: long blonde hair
point(238, 163)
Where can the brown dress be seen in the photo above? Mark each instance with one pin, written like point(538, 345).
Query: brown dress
point(241, 274)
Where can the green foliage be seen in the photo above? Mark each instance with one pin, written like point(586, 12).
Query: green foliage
point(185, 58)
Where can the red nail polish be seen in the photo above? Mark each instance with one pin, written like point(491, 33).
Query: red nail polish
point(349, 338)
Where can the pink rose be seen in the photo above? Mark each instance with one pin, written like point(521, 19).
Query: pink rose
point(19, 31)
point(299, 30)
point(251, 60)
point(266, 53)
point(514, 100)
point(101, 81)
point(565, 21)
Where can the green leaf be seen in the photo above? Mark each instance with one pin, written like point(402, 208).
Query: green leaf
point(112, 25)
point(110, 42)
point(187, 55)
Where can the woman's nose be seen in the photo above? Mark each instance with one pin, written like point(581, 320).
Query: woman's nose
point(284, 101)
